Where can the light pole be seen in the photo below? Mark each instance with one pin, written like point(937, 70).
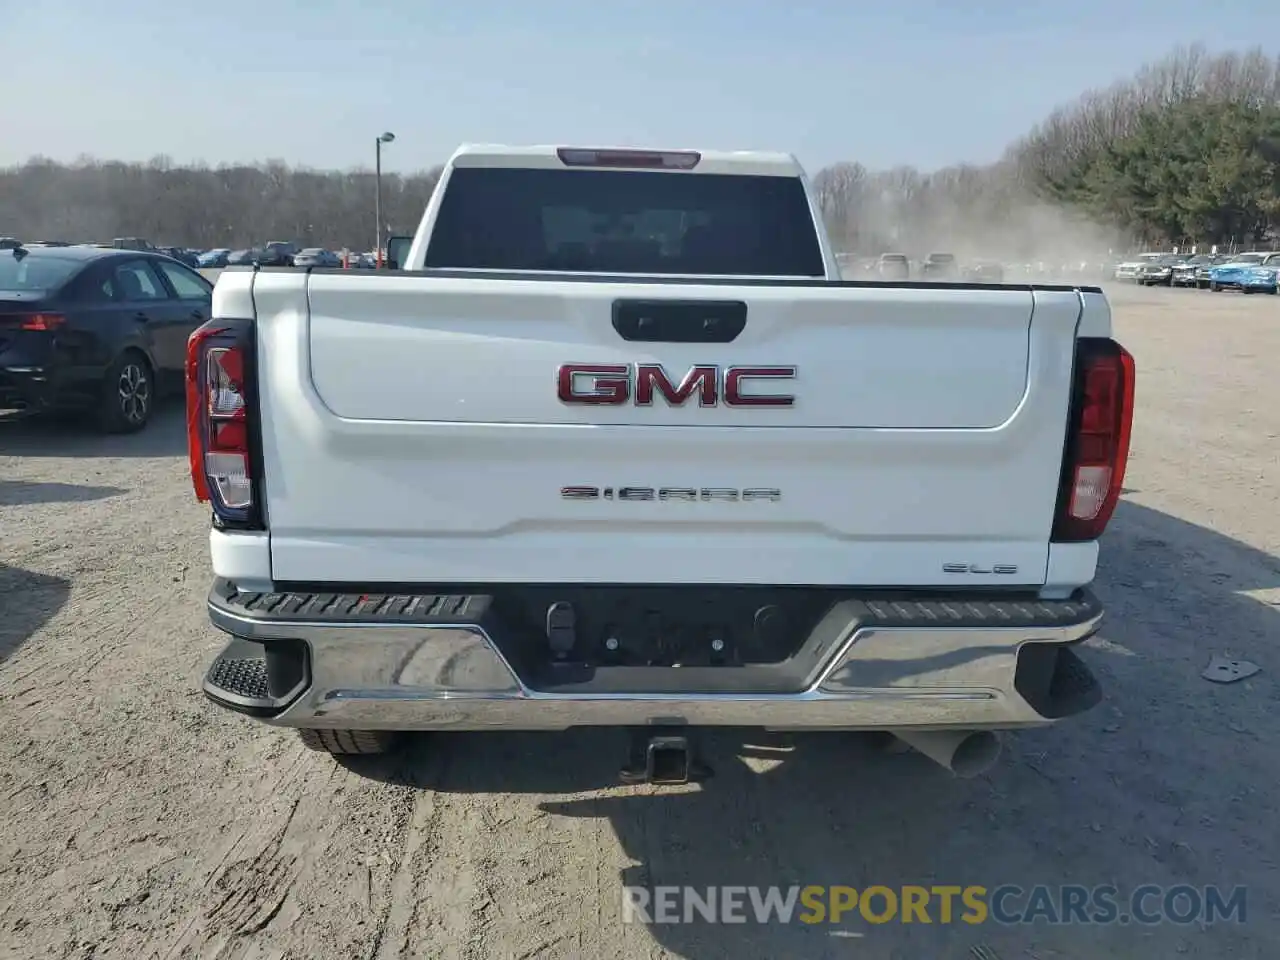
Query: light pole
point(377, 199)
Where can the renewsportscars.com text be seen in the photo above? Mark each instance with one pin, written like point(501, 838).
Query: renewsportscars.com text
point(1006, 904)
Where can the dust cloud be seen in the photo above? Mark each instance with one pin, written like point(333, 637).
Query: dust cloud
point(1025, 236)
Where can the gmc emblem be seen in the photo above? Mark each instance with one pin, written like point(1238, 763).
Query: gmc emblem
point(616, 384)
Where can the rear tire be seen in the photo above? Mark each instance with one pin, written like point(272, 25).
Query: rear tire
point(128, 394)
point(1214, 288)
point(347, 742)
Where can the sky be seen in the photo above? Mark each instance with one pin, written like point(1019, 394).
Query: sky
point(313, 82)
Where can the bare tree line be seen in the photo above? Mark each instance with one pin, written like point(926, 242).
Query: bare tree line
point(1024, 206)
point(1101, 117)
point(199, 206)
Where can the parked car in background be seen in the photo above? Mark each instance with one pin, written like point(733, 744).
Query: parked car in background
point(940, 266)
point(316, 257)
point(1080, 271)
point(100, 331)
point(212, 259)
point(985, 271)
point(181, 254)
point(1247, 272)
point(1158, 271)
point(1202, 271)
point(1185, 272)
point(277, 253)
point(241, 258)
point(132, 243)
point(866, 268)
point(893, 266)
point(1129, 269)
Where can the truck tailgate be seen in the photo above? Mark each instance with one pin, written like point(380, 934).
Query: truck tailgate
point(413, 432)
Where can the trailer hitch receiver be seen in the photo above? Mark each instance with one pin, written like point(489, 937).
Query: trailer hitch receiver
point(665, 756)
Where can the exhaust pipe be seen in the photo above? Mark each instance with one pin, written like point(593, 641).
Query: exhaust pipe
point(966, 753)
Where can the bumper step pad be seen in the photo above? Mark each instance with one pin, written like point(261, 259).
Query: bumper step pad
point(242, 677)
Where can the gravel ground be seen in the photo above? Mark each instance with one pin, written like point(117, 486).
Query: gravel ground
point(141, 822)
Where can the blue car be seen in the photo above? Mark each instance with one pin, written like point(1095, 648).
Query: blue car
point(213, 259)
point(1247, 272)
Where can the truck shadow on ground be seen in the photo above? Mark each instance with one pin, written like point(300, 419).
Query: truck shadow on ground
point(1170, 781)
point(18, 493)
point(164, 436)
point(27, 602)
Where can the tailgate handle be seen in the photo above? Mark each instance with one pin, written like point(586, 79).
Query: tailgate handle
point(679, 321)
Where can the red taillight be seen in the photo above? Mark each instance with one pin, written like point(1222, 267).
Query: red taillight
point(47, 322)
point(1097, 448)
point(218, 413)
point(42, 322)
point(634, 159)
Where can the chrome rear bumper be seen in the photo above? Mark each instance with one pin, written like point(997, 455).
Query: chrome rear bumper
point(446, 676)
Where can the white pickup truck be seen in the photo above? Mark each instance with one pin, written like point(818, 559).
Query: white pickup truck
point(616, 447)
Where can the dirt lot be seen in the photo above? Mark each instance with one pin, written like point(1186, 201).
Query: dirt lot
point(138, 821)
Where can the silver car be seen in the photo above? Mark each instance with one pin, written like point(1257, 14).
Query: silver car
point(1130, 269)
point(316, 257)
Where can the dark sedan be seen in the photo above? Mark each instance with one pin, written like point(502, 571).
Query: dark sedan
point(1159, 271)
point(277, 253)
point(100, 331)
point(181, 254)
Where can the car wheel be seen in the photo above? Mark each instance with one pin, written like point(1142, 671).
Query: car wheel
point(128, 394)
point(1214, 287)
point(1246, 289)
point(1272, 290)
point(341, 742)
